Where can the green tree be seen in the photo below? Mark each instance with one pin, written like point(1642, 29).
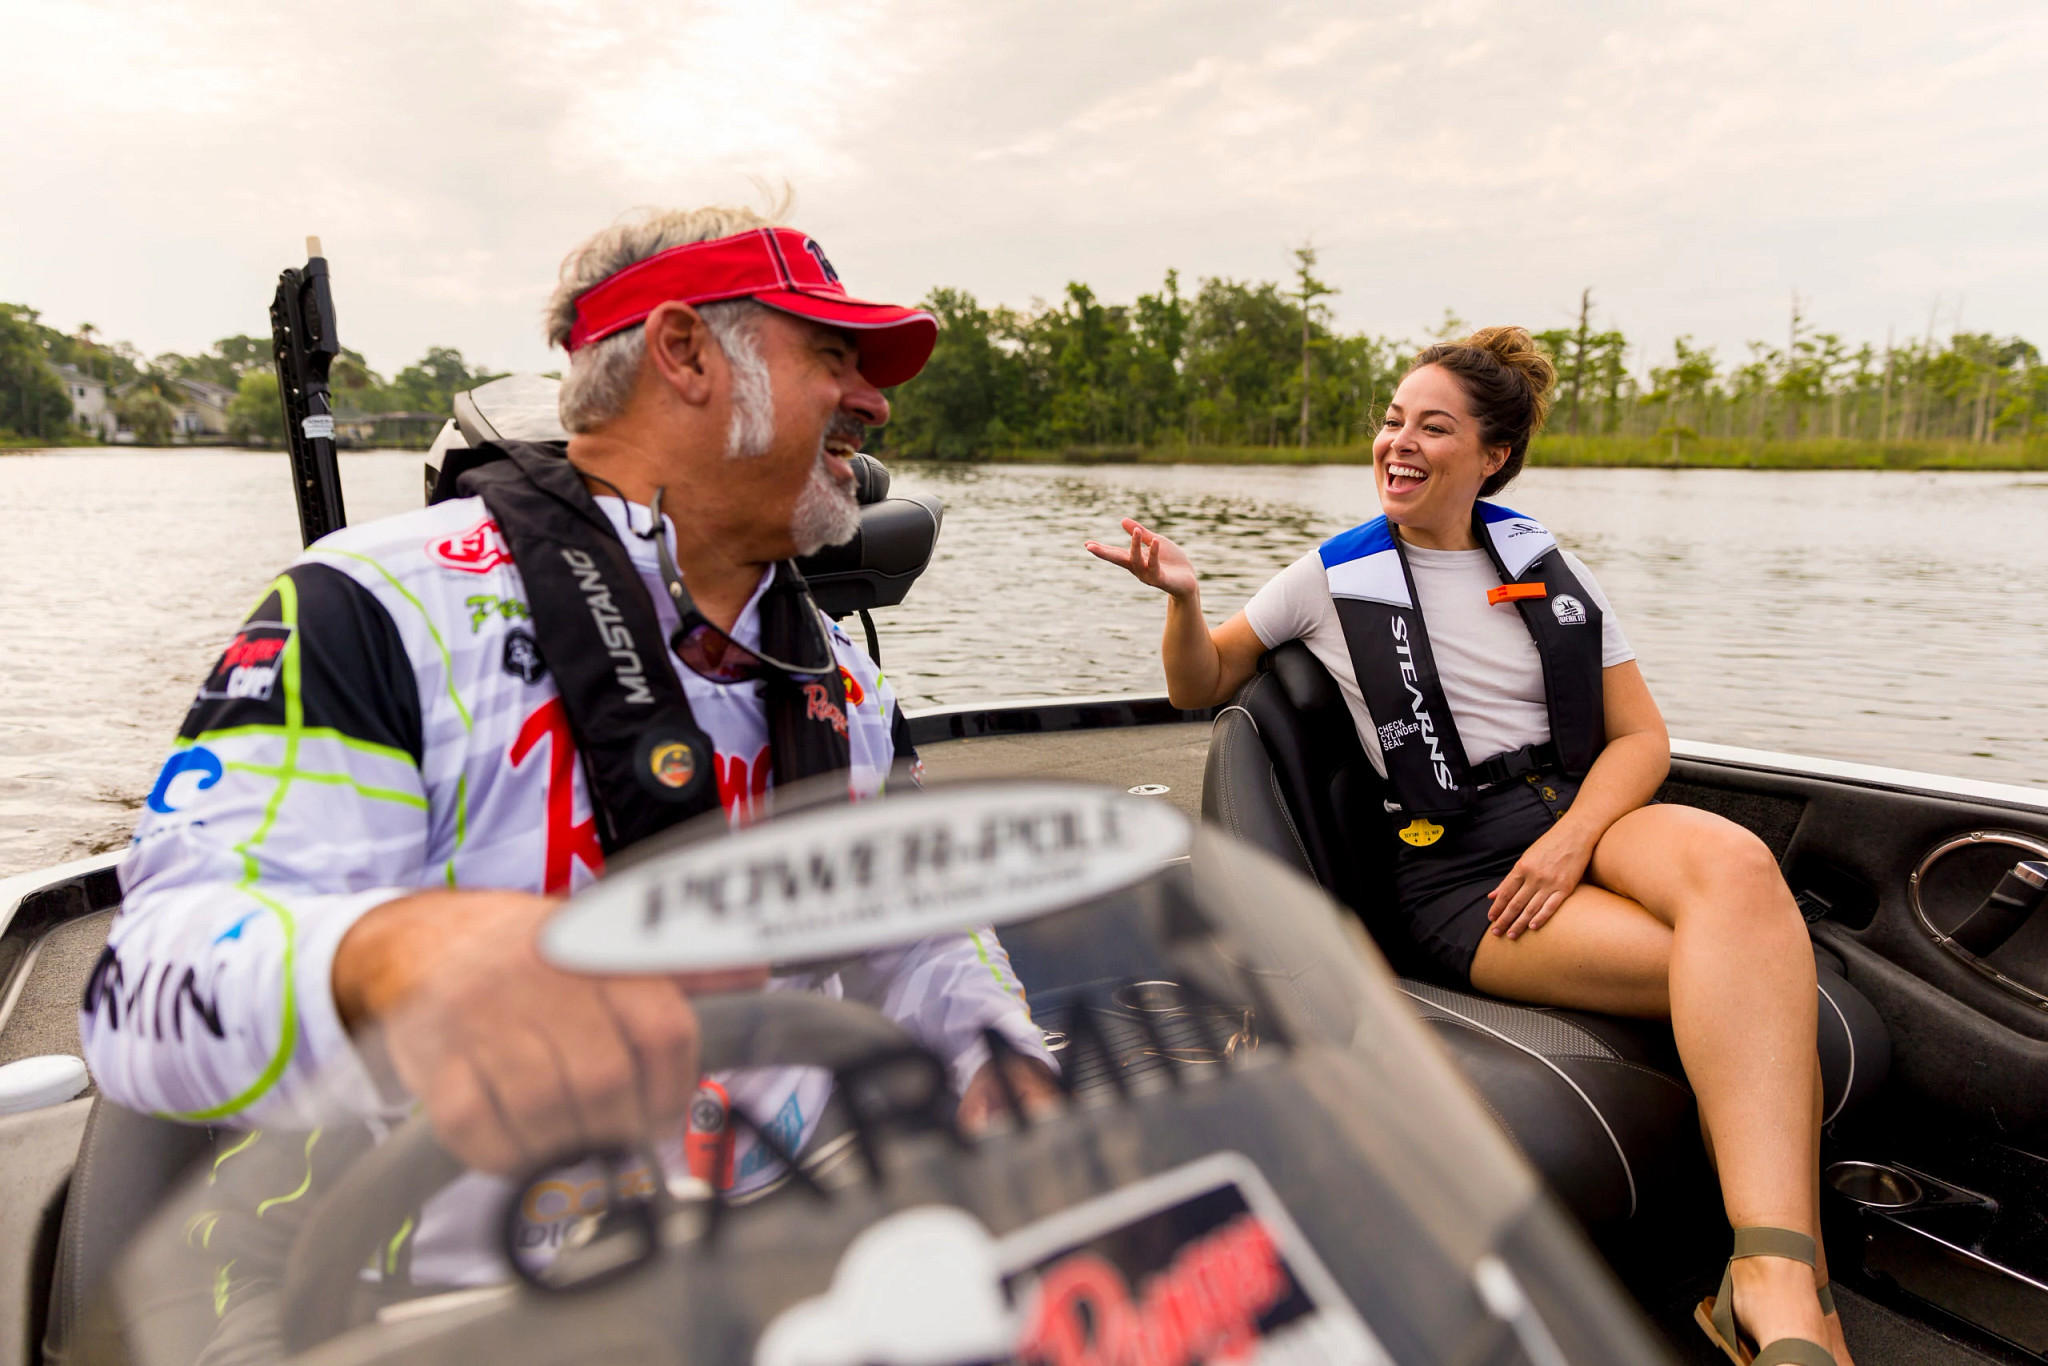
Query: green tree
point(1242, 349)
point(956, 409)
point(224, 363)
point(1086, 336)
point(147, 413)
point(256, 415)
point(430, 384)
point(1159, 327)
point(355, 389)
point(1682, 388)
point(33, 401)
point(244, 353)
point(1307, 290)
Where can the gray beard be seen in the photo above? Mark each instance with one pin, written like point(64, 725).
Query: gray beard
point(826, 512)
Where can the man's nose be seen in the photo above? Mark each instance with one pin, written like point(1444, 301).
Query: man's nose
point(865, 401)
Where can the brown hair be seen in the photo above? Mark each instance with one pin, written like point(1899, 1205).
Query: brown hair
point(1507, 379)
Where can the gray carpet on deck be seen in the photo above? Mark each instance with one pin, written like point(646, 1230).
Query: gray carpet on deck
point(45, 1015)
point(1877, 1335)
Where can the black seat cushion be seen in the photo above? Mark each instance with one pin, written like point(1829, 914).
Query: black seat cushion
point(1598, 1104)
point(1610, 1130)
point(127, 1163)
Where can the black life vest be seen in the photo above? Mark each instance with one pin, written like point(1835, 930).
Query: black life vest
point(1374, 591)
point(647, 763)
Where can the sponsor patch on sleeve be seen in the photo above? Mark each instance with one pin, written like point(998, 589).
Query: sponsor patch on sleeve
point(247, 669)
point(478, 550)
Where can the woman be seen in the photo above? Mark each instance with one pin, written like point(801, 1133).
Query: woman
point(1493, 687)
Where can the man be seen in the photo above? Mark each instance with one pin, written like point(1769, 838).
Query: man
point(436, 724)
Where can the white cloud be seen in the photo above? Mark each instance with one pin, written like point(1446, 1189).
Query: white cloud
point(1694, 163)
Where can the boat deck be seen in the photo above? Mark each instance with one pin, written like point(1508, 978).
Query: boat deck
point(1173, 754)
point(1170, 755)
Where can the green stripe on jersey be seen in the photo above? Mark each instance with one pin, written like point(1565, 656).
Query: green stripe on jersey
point(448, 678)
point(252, 871)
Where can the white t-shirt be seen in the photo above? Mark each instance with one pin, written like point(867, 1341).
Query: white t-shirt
point(1492, 675)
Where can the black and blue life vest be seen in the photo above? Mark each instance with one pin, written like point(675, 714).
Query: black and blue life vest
point(646, 762)
point(1369, 579)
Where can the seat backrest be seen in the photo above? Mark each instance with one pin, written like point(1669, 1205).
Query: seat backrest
point(127, 1164)
point(1286, 772)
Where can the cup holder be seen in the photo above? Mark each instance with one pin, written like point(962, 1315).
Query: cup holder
point(1150, 998)
point(1874, 1185)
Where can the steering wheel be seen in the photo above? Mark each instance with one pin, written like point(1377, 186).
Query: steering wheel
point(756, 1029)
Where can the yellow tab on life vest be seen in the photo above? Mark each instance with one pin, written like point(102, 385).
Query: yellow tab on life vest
point(1422, 830)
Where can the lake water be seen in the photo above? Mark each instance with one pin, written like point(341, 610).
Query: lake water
point(1889, 618)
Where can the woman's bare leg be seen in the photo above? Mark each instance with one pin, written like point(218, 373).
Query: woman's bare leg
point(1615, 958)
point(1741, 996)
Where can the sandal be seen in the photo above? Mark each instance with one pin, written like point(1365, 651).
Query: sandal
point(1716, 1313)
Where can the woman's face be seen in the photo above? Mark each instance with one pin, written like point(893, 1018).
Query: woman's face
point(1427, 459)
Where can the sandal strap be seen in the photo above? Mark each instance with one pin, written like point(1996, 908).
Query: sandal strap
point(1794, 1352)
point(1826, 1293)
point(1723, 1317)
point(1761, 1241)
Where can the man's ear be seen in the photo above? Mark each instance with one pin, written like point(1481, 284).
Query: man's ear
point(680, 350)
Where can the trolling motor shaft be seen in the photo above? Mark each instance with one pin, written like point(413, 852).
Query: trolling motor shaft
point(304, 344)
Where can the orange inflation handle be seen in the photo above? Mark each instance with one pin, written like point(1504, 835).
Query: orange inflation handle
point(1515, 592)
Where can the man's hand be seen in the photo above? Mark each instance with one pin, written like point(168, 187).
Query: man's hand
point(517, 1061)
point(1036, 1087)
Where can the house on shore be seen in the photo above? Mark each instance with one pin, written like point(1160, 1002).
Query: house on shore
point(91, 409)
point(199, 411)
point(202, 408)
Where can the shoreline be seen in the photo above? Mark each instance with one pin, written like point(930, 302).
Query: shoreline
point(1564, 452)
point(1555, 452)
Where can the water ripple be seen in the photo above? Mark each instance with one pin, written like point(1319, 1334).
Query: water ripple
point(1887, 618)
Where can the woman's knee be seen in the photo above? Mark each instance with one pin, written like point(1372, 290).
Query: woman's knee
point(1728, 853)
point(1725, 870)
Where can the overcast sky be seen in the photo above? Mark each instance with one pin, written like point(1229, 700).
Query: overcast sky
point(1693, 163)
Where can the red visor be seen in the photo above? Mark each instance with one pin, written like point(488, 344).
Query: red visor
point(779, 267)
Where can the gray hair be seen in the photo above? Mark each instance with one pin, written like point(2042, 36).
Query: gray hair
point(601, 375)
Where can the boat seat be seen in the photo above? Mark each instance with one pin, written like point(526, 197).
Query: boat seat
point(1598, 1104)
point(128, 1163)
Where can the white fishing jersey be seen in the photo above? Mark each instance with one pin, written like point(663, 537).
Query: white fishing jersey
point(384, 723)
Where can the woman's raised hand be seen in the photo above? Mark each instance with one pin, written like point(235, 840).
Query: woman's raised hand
point(1203, 667)
point(1152, 559)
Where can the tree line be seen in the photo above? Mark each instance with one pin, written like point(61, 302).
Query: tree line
point(1258, 364)
point(1229, 364)
point(145, 394)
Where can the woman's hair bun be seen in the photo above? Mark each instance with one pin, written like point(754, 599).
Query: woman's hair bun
point(1508, 378)
point(1518, 350)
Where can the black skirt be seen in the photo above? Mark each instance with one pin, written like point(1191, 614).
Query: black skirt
point(1441, 888)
